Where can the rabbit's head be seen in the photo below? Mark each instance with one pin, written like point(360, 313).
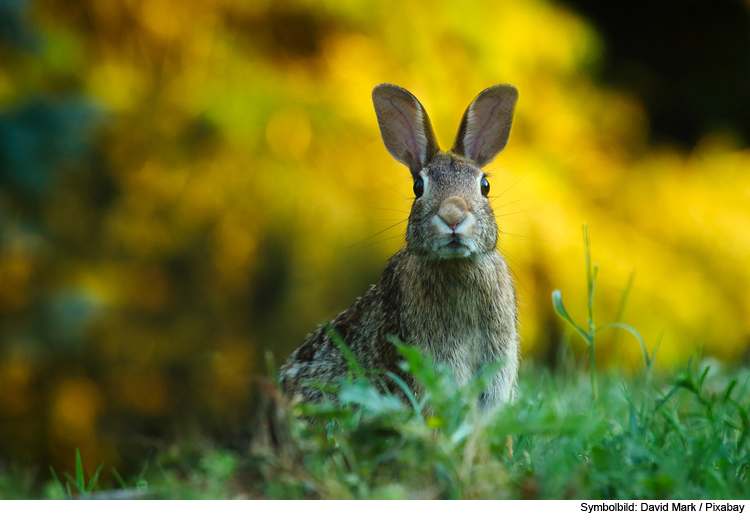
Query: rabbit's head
point(451, 216)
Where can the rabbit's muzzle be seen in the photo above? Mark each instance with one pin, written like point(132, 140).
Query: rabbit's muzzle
point(453, 229)
point(453, 211)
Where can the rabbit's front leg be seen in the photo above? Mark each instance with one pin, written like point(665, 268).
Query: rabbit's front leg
point(500, 389)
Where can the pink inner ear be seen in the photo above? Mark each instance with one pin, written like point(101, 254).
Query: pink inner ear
point(406, 129)
point(479, 138)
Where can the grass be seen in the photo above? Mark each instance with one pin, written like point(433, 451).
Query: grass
point(679, 436)
point(78, 482)
point(684, 437)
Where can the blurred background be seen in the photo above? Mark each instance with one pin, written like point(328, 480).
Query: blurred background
point(185, 185)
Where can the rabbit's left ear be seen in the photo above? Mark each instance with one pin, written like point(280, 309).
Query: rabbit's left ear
point(405, 126)
point(485, 127)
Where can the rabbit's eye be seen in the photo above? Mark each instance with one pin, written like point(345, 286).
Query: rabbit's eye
point(485, 186)
point(418, 187)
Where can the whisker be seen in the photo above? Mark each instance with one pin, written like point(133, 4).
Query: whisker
point(378, 242)
point(515, 276)
point(507, 257)
point(499, 166)
point(518, 212)
point(386, 209)
point(512, 185)
point(522, 236)
point(376, 234)
point(395, 190)
point(508, 203)
point(515, 222)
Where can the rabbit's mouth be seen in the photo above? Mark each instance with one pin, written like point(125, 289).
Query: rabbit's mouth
point(454, 248)
point(454, 244)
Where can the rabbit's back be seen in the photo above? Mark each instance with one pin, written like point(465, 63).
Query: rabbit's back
point(364, 328)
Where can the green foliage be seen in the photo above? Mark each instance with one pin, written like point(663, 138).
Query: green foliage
point(687, 438)
point(681, 437)
point(588, 335)
point(78, 482)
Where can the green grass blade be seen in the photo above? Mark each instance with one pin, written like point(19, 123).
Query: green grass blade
point(94, 479)
point(407, 391)
point(703, 378)
point(728, 390)
point(58, 484)
point(80, 481)
point(351, 360)
point(71, 481)
point(590, 274)
point(635, 333)
point(562, 312)
point(625, 296)
point(657, 345)
point(119, 478)
point(621, 309)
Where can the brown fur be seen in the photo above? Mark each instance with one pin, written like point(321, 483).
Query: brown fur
point(449, 291)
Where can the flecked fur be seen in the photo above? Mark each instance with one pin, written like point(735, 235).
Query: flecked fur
point(455, 302)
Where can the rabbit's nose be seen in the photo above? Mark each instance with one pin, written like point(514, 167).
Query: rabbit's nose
point(452, 211)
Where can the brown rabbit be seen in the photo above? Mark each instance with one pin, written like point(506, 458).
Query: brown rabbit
point(448, 292)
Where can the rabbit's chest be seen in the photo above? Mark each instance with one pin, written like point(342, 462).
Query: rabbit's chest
point(462, 314)
point(465, 354)
point(464, 333)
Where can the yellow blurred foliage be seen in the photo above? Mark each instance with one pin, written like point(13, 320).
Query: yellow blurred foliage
point(231, 367)
point(15, 275)
point(300, 156)
point(78, 404)
point(15, 381)
point(140, 390)
point(252, 196)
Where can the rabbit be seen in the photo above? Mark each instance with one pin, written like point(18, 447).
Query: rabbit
point(449, 292)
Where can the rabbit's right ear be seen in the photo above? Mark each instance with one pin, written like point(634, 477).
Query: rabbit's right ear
point(485, 127)
point(405, 126)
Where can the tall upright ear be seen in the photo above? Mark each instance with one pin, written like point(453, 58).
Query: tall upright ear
point(485, 127)
point(405, 126)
